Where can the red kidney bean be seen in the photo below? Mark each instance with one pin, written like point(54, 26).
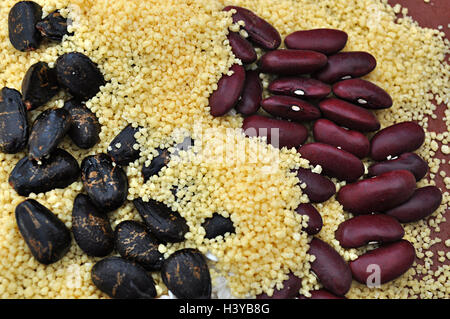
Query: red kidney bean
point(292, 62)
point(241, 48)
point(259, 30)
point(228, 91)
point(396, 140)
point(362, 230)
point(424, 202)
point(300, 87)
point(251, 97)
point(349, 115)
point(408, 161)
point(363, 93)
point(335, 162)
point(346, 64)
point(393, 261)
point(319, 189)
point(353, 142)
point(377, 194)
point(291, 287)
point(290, 108)
point(330, 268)
point(315, 221)
point(289, 134)
point(326, 41)
point(321, 294)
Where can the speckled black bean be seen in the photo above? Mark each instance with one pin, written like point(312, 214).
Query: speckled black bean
point(91, 228)
point(13, 122)
point(53, 26)
point(186, 274)
point(22, 20)
point(47, 132)
point(45, 234)
point(122, 149)
point(39, 85)
point(134, 242)
point(218, 225)
point(105, 183)
point(123, 279)
point(58, 171)
point(166, 225)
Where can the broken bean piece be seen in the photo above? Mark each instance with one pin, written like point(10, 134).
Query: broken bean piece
point(39, 85)
point(217, 225)
point(122, 148)
point(53, 26)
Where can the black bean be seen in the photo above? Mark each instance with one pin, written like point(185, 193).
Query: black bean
point(218, 225)
point(121, 148)
point(53, 26)
point(45, 234)
point(166, 225)
point(123, 279)
point(22, 20)
point(134, 242)
point(58, 171)
point(13, 122)
point(85, 128)
point(105, 182)
point(39, 85)
point(91, 228)
point(47, 132)
point(77, 73)
point(186, 274)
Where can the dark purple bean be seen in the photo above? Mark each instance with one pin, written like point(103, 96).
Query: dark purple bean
point(22, 20)
point(393, 261)
point(290, 108)
point(321, 294)
point(363, 93)
point(121, 149)
point(353, 142)
point(292, 62)
point(290, 290)
point(326, 41)
point(279, 133)
point(315, 221)
point(260, 31)
point(408, 161)
point(330, 268)
point(251, 96)
point(335, 162)
point(396, 139)
point(378, 194)
point(228, 91)
point(362, 230)
point(53, 26)
point(217, 225)
point(346, 65)
point(39, 85)
point(300, 87)
point(349, 115)
point(424, 202)
point(241, 48)
point(319, 189)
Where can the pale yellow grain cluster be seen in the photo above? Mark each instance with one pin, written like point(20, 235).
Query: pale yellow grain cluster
point(162, 60)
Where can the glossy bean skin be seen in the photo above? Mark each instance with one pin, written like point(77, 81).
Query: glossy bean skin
point(39, 85)
point(290, 108)
point(377, 194)
point(22, 20)
point(319, 188)
point(393, 259)
point(121, 149)
point(346, 64)
point(362, 230)
point(326, 41)
point(353, 142)
point(349, 115)
point(218, 225)
point(292, 62)
point(363, 93)
point(335, 162)
point(291, 287)
point(228, 91)
point(241, 48)
point(260, 32)
point(315, 221)
point(251, 96)
point(407, 161)
point(321, 294)
point(424, 202)
point(279, 133)
point(396, 139)
point(300, 87)
point(330, 268)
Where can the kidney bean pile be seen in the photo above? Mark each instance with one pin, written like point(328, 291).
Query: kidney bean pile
point(317, 83)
